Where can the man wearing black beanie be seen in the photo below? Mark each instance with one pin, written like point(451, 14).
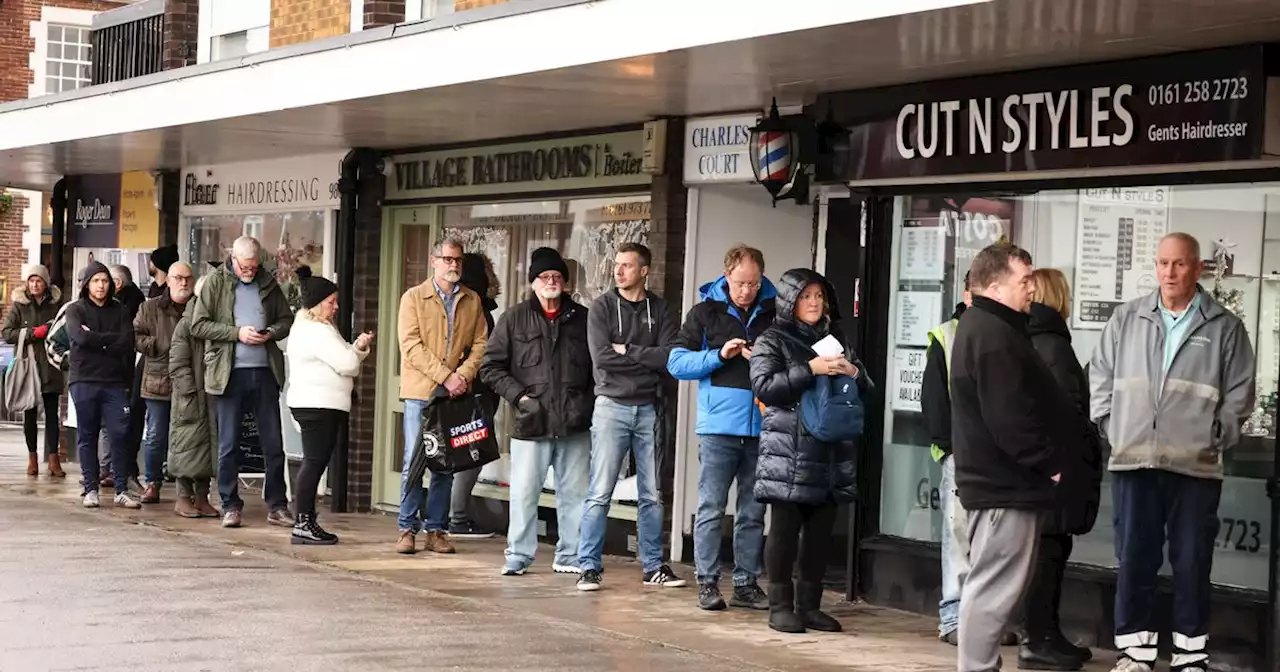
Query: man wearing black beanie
point(158, 267)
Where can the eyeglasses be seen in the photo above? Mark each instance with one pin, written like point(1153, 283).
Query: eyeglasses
point(181, 278)
point(552, 278)
point(451, 261)
point(744, 285)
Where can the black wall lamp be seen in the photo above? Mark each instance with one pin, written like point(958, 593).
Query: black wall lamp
point(783, 151)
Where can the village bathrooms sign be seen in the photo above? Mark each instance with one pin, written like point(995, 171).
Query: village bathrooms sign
point(583, 162)
point(1186, 108)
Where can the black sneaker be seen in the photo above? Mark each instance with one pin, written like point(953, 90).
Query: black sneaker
point(467, 529)
point(709, 598)
point(663, 577)
point(307, 531)
point(589, 581)
point(750, 596)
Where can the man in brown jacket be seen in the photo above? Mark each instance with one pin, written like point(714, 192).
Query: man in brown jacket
point(153, 332)
point(442, 334)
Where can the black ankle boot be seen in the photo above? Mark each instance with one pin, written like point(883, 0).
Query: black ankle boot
point(808, 605)
point(307, 531)
point(1043, 655)
point(1060, 642)
point(782, 609)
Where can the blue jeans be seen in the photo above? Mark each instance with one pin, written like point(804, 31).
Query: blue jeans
point(156, 439)
point(100, 406)
point(616, 430)
point(411, 494)
point(723, 459)
point(258, 390)
point(955, 549)
point(571, 459)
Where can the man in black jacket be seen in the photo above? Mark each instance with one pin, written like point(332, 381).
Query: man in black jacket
point(537, 359)
point(631, 336)
point(100, 330)
point(1005, 408)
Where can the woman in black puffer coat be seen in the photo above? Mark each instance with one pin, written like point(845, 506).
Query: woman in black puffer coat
point(1044, 644)
point(803, 478)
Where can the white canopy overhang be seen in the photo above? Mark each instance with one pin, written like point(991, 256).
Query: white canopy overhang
point(571, 64)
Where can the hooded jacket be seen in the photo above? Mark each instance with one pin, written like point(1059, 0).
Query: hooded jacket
point(794, 466)
point(726, 405)
point(1079, 509)
point(26, 314)
point(193, 429)
point(101, 336)
point(646, 330)
point(153, 329)
point(132, 298)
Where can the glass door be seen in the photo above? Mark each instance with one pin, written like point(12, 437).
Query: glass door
point(406, 253)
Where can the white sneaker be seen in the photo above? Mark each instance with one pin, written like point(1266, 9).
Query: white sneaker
point(1131, 665)
point(565, 569)
point(126, 501)
point(91, 499)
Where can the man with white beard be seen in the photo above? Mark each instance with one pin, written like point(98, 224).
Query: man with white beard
point(538, 360)
point(153, 332)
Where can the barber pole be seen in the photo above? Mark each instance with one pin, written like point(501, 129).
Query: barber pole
point(775, 156)
point(774, 143)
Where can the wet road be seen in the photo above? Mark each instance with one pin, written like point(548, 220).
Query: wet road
point(81, 591)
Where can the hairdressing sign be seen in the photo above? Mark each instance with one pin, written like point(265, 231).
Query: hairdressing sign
point(286, 185)
point(1187, 108)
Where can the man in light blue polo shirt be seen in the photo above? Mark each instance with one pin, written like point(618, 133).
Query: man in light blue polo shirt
point(1166, 457)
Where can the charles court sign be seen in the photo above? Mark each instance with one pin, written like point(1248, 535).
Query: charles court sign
point(561, 164)
point(1186, 108)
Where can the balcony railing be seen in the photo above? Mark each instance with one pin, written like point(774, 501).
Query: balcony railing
point(128, 42)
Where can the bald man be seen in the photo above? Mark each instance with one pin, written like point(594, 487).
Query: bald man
point(153, 332)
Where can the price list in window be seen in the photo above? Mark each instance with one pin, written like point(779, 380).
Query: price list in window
point(1117, 233)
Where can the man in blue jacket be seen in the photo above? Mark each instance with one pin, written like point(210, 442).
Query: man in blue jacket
point(714, 349)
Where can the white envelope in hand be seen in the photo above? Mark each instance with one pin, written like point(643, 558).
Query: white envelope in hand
point(828, 347)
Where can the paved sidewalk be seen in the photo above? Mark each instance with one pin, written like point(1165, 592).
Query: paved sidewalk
point(875, 638)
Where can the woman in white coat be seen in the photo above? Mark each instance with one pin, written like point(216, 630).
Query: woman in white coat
point(322, 371)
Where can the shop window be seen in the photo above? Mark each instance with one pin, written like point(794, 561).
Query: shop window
point(289, 240)
point(67, 62)
point(1104, 240)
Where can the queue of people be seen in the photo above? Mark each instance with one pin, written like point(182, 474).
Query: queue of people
point(1023, 429)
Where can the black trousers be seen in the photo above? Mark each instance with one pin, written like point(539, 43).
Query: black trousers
point(799, 533)
point(320, 429)
point(1044, 593)
point(52, 427)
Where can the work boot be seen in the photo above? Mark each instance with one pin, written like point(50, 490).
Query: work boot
point(206, 509)
point(151, 494)
point(1060, 642)
point(407, 544)
point(782, 608)
point(438, 542)
point(55, 467)
point(33, 465)
point(1042, 655)
point(186, 507)
point(808, 606)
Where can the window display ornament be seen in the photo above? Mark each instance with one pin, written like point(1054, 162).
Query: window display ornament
point(1231, 299)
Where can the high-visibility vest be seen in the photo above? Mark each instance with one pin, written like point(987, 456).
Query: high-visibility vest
point(943, 335)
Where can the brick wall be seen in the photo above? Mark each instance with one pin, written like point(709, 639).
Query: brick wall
point(296, 21)
point(12, 254)
point(366, 290)
point(16, 43)
point(181, 32)
point(383, 13)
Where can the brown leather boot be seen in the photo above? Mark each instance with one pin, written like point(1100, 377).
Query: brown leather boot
point(151, 494)
point(438, 542)
point(55, 467)
point(186, 507)
point(33, 465)
point(407, 544)
point(206, 509)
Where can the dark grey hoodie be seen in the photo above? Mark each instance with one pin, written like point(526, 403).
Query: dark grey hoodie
point(649, 333)
point(101, 336)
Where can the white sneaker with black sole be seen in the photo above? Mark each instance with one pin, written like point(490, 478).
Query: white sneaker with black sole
point(663, 577)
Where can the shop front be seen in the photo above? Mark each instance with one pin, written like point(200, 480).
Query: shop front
point(582, 195)
point(725, 208)
point(1086, 167)
point(291, 207)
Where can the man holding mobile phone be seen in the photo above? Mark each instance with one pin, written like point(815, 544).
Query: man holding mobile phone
point(243, 314)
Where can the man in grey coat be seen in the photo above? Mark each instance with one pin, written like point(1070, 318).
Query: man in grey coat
point(1172, 381)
